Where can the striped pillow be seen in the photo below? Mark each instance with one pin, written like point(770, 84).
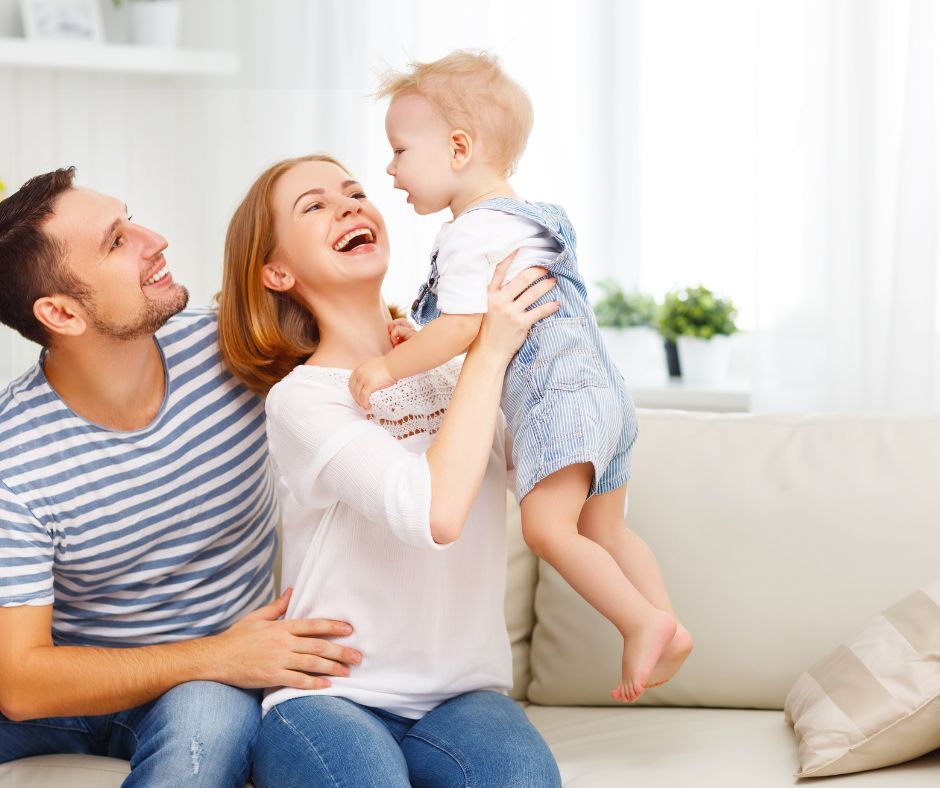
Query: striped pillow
point(874, 701)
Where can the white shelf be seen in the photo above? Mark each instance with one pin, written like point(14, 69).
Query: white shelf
point(114, 58)
point(675, 395)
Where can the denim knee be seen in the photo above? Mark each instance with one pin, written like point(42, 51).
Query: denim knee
point(480, 740)
point(324, 740)
point(198, 732)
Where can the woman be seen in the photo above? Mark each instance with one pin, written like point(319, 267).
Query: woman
point(393, 518)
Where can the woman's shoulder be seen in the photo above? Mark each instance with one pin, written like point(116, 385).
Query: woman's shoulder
point(309, 388)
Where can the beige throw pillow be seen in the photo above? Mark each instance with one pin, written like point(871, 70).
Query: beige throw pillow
point(874, 701)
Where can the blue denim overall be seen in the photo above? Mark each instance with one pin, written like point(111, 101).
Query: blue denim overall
point(564, 399)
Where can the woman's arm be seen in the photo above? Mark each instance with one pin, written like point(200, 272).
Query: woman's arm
point(457, 458)
point(329, 451)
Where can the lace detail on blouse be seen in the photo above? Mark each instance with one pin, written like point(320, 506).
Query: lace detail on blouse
point(412, 406)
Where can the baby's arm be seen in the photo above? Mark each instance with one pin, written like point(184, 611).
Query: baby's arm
point(439, 341)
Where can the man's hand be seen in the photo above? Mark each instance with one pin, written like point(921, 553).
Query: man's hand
point(400, 330)
point(368, 377)
point(263, 651)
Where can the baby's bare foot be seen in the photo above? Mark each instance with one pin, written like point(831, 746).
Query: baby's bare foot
point(672, 658)
point(641, 652)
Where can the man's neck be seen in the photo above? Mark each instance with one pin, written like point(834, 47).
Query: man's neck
point(118, 384)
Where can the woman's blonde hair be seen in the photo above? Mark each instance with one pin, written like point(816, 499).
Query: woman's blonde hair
point(472, 92)
point(263, 334)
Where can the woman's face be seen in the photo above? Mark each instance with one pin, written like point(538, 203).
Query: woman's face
point(328, 234)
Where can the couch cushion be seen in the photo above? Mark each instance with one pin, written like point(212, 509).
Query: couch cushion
point(66, 771)
point(778, 536)
point(875, 700)
point(520, 598)
point(71, 771)
point(705, 748)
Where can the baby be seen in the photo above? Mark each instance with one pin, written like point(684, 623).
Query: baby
point(457, 128)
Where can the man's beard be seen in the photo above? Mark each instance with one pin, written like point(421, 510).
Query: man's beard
point(148, 321)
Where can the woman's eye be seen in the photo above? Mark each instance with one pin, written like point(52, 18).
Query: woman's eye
point(313, 206)
point(119, 241)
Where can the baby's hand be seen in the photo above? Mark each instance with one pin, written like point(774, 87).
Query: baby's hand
point(368, 377)
point(400, 330)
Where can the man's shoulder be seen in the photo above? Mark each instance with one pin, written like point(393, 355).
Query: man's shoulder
point(189, 322)
point(29, 389)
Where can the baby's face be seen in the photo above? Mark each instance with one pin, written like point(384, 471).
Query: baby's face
point(421, 153)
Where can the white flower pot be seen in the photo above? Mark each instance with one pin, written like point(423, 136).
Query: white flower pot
point(704, 361)
point(637, 352)
point(155, 23)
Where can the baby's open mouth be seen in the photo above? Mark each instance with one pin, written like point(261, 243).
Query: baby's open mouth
point(354, 238)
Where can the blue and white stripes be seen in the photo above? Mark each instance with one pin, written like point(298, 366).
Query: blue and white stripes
point(160, 534)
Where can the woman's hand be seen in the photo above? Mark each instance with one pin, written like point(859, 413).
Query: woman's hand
point(508, 319)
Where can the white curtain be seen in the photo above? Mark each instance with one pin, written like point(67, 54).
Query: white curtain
point(848, 213)
point(782, 153)
point(311, 67)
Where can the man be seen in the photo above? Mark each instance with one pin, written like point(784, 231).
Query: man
point(137, 510)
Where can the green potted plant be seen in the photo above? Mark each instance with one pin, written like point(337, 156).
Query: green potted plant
point(697, 323)
point(626, 322)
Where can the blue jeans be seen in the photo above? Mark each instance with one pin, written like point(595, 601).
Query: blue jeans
point(199, 733)
point(480, 739)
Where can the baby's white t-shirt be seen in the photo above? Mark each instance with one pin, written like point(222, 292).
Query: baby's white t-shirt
point(355, 494)
point(471, 246)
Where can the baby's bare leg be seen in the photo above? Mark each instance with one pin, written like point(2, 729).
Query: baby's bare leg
point(550, 514)
point(602, 521)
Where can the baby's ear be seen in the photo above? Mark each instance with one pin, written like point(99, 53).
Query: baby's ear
point(461, 148)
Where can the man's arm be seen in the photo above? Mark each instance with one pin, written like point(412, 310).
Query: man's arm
point(38, 679)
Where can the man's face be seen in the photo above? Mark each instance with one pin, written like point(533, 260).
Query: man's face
point(131, 291)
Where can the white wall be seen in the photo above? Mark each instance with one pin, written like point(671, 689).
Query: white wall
point(182, 151)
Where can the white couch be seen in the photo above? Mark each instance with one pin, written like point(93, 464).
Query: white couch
point(779, 537)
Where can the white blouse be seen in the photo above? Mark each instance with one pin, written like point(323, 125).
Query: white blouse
point(355, 493)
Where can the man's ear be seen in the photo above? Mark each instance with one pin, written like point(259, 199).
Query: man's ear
point(60, 315)
point(461, 149)
point(276, 277)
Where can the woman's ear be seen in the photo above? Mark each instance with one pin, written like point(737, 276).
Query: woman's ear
point(461, 149)
point(60, 315)
point(276, 277)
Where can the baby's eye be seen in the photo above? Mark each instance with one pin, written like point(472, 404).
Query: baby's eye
point(359, 195)
point(398, 151)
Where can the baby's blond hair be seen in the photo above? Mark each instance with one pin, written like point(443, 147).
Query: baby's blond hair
point(473, 93)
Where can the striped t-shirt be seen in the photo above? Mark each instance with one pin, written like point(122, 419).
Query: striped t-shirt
point(147, 536)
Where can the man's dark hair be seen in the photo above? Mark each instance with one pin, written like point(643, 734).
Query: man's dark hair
point(32, 263)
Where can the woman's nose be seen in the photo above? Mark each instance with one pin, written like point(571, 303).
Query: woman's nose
point(347, 206)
